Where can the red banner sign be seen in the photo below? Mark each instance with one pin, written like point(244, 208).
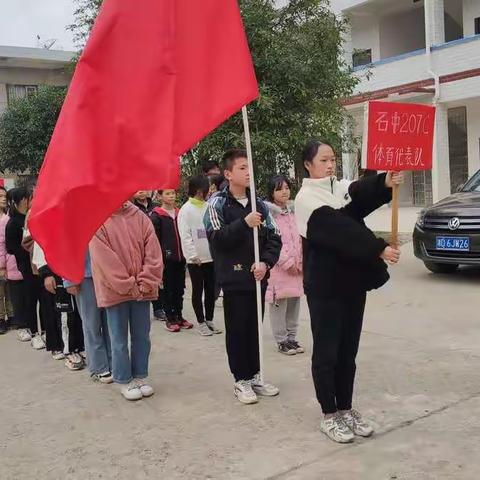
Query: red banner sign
point(398, 136)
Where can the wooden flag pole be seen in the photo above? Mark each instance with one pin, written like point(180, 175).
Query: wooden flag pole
point(253, 201)
point(394, 237)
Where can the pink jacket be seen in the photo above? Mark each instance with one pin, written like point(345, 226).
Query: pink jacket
point(282, 283)
point(7, 262)
point(125, 255)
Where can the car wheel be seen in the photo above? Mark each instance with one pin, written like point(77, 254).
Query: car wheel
point(441, 267)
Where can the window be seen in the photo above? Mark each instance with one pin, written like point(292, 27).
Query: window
point(20, 91)
point(477, 26)
point(362, 57)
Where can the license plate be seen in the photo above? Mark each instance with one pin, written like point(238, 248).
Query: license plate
point(454, 244)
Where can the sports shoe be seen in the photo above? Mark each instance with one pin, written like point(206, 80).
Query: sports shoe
point(357, 424)
point(105, 377)
point(336, 429)
point(146, 389)
point(244, 392)
point(83, 354)
point(262, 388)
point(37, 342)
point(287, 348)
point(298, 348)
point(73, 361)
point(58, 355)
point(204, 330)
point(172, 326)
point(212, 327)
point(160, 315)
point(3, 327)
point(131, 391)
point(185, 324)
point(24, 335)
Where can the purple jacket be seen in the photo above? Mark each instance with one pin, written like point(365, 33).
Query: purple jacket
point(282, 283)
point(7, 262)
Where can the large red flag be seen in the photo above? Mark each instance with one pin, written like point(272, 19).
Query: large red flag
point(154, 79)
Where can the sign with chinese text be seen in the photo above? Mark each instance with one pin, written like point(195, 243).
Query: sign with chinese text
point(398, 136)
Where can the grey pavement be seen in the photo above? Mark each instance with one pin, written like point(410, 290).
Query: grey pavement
point(418, 381)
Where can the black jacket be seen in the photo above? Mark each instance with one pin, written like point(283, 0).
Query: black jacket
point(13, 244)
point(168, 235)
point(342, 255)
point(231, 241)
point(151, 205)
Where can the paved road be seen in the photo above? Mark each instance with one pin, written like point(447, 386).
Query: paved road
point(418, 381)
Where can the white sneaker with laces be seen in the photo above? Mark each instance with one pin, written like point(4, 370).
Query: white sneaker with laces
point(213, 328)
point(24, 335)
point(336, 429)
point(357, 424)
point(146, 389)
point(37, 342)
point(105, 377)
point(131, 391)
point(203, 330)
point(262, 388)
point(58, 355)
point(244, 392)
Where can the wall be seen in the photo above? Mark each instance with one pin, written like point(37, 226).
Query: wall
point(3, 97)
point(471, 10)
point(365, 34)
point(402, 33)
point(33, 76)
point(453, 19)
point(473, 132)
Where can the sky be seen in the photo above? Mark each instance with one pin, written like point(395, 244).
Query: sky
point(22, 20)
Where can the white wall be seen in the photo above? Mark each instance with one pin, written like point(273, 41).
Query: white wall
point(365, 34)
point(3, 97)
point(473, 133)
point(402, 33)
point(471, 10)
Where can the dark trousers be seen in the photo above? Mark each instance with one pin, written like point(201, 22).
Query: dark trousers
point(173, 289)
point(55, 334)
point(241, 333)
point(25, 296)
point(158, 303)
point(336, 328)
point(203, 280)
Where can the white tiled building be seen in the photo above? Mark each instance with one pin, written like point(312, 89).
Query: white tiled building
point(423, 51)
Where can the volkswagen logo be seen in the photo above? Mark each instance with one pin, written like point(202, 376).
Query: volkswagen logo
point(454, 223)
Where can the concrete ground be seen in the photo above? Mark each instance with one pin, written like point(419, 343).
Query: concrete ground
point(418, 381)
point(381, 220)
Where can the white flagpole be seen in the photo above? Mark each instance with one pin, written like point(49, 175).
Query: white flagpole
point(253, 201)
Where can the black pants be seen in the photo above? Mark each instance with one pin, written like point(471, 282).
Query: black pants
point(336, 328)
point(173, 289)
point(53, 327)
point(241, 333)
point(203, 280)
point(158, 304)
point(25, 296)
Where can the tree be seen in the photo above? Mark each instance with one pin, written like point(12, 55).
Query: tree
point(26, 127)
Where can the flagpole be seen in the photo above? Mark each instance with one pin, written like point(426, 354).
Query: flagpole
point(256, 247)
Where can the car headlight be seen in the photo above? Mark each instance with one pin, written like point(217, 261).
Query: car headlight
point(421, 219)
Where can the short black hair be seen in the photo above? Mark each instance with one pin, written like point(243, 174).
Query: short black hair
point(197, 183)
point(16, 195)
point(310, 151)
point(218, 181)
point(275, 183)
point(208, 165)
point(230, 156)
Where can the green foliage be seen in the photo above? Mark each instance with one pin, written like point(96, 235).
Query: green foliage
point(26, 127)
point(85, 14)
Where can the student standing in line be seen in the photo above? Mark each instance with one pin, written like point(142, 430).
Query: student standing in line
point(165, 221)
point(285, 283)
point(229, 222)
point(197, 254)
point(343, 261)
point(211, 168)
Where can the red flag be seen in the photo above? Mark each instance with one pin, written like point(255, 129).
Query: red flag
point(154, 79)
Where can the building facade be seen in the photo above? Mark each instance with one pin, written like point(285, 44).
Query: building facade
point(420, 51)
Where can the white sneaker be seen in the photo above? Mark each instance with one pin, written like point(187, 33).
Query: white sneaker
point(105, 377)
point(37, 342)
point(262, 388)
point(204, 330)
point(336, 429)
point(244, 392)
point(131, 391)
point(58, 355)
point(213, 328)
point(357, 424)
point(146, 389)
point(24, 335)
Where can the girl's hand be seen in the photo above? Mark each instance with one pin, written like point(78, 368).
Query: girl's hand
point(50, 284)
point(391, 255)
point(394, 178)
point(144, 288)
point(260, 271)
point(73, 290)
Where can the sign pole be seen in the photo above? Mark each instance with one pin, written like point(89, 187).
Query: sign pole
point(394, 237)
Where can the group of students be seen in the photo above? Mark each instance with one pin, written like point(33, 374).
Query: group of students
point(140, 255)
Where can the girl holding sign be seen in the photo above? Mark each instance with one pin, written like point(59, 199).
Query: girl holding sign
point(343, 260)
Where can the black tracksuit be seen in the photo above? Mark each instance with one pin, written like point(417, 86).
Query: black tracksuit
point(231, 245)
point(342, 263)
point(174, 263)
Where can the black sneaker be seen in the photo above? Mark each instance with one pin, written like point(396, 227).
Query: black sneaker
point(286, 349)
point(3, 327)
point(160, 315)
point(294, 344)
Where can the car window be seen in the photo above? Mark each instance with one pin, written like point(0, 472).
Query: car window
point(473, 185)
